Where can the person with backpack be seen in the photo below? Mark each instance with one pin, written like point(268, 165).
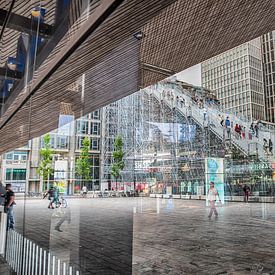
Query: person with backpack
point(9, 202)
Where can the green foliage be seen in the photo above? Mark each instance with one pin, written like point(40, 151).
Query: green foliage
point(45, 167)
point(118, 155)
point(82, 166)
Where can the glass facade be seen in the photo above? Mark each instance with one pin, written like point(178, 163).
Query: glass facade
point(268, 49)
point(119, 166)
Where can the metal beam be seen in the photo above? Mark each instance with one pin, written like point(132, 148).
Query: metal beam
point(23, 24)
point(10, 74)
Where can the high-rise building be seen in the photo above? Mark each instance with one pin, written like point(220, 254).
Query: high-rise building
point(268, 52)
point(236, 77)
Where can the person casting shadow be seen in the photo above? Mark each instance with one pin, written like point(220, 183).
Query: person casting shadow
point(212, 197)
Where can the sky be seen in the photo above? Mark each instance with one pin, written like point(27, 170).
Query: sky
point(191, 75)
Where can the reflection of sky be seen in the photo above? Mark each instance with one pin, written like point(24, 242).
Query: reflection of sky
point(174, 131)
point(64, 124)
point(191, 75)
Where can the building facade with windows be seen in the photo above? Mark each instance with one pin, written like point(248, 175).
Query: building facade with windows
point(15, 168)
point(20, 167)
point(236, 78)
point(268, 52)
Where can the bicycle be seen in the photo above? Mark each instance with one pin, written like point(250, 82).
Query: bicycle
point(61, 202)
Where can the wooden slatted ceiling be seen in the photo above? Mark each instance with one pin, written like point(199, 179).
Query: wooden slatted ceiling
point(188, 32)
point(184, 34)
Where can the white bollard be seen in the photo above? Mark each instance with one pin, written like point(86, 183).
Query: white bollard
point(3, 231)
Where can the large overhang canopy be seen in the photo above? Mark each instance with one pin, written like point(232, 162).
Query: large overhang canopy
point(122, 46)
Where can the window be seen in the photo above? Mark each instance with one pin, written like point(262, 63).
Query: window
point(8, 173)
point(79, 141)
point(9, 156)
point(95, 144)
point(82, 127)
point(16, 157)
point(96, 115)
point(62, 142)
point(95, 128)
point(16, 174)
point(19, 174)
point(24, 157)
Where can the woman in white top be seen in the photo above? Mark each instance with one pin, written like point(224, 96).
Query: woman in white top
point(212, 197)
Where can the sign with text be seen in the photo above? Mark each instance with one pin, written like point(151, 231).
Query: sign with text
point(61, 175)
point(214, 172)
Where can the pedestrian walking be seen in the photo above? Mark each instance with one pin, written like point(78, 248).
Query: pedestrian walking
point(182, 102)
point(246, 193)
point(9, 203)
point(212, 198)
point(265, 146)
point(84, 191)
point(204, 114)
point(65, 215)
point(270, 145)
point(240, 131)
point(237, 130)
point(256, 130)
point(243, 133)
point(49, 193)
point(221, 120)
point(250, 134)
point(252, 128)
point(189, 111)
point(227, 126)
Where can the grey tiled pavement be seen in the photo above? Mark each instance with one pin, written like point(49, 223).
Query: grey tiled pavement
point(4, 268)
point(181, 239)
point(155, 236)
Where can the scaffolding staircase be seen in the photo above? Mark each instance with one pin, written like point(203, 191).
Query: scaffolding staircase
point(173, 95)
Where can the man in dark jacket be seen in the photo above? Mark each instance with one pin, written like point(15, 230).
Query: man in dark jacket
point(9, 202)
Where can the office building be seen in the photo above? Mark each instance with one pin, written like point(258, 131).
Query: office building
point(268, 53)
point(236, 77)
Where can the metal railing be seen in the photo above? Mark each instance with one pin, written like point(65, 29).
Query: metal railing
point(27, 258)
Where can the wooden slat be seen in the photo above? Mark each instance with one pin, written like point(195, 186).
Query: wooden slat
point(178, 34)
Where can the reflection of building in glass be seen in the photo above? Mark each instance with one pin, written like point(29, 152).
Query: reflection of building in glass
point(14, 168)
point(166, 148)
point(236, 78)
point(20, 166)
point(167, 141)
point(268, 51)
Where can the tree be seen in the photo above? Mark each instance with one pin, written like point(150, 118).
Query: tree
point(118, 154)
point(45, 168)
point(82, 165)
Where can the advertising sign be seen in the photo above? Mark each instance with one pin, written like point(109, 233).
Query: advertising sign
point(214, 172)
point(60, 174)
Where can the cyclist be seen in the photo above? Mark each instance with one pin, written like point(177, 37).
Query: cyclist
point(56, 196)
point(49, 193)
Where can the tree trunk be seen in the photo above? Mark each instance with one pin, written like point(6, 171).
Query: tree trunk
point(116, 184)
point(48, 182)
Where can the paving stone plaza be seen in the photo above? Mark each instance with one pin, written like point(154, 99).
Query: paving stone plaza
point(154, 236)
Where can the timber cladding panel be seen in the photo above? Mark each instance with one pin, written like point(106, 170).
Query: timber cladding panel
point(177, 35)
point(189, 32)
